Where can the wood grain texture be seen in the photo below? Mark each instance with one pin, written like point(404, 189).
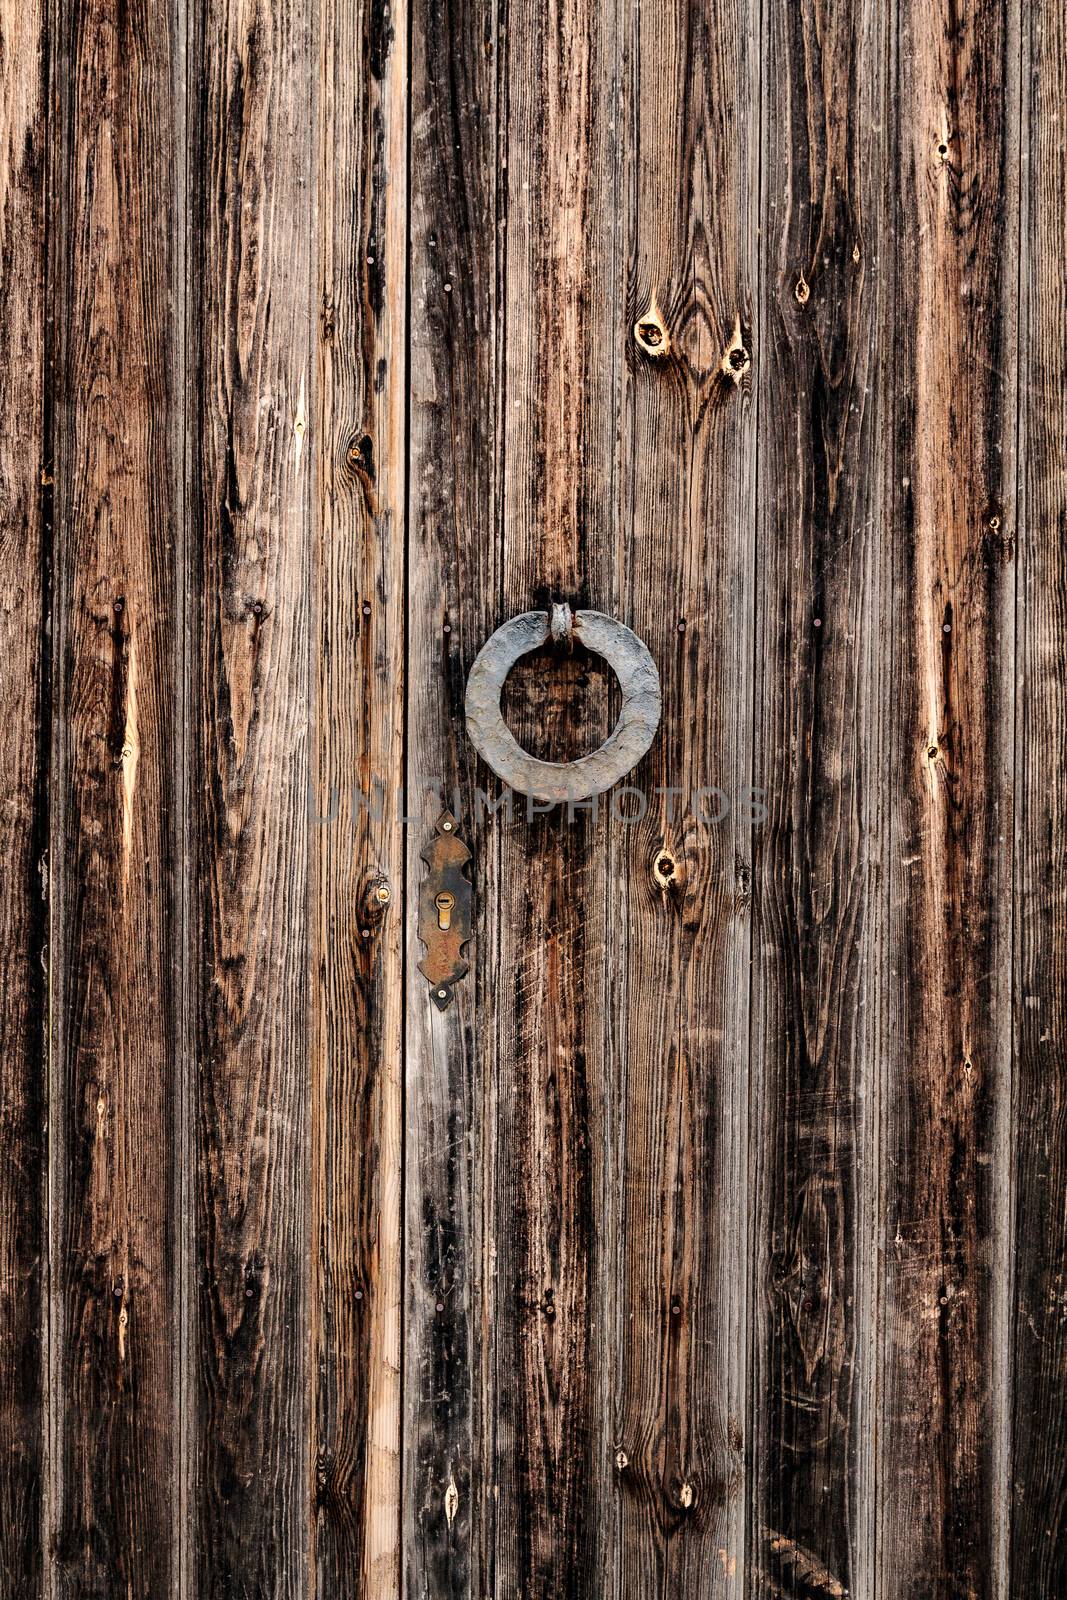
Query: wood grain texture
point(253, 364)
point(546, 1378)
point(358, 876)
point(712, 1242)
point(115, 1015)
point(1038, 1484)
point(679, 887)
point(946, 1172)
point(456, 404)
point(25, 508)
point(820, 696)
point(508, 1406)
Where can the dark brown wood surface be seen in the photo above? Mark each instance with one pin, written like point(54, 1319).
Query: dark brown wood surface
point(681, 571)
point(1035, 1512)
point(248, 597)
point(945, 1162)
point(454, 576)
point(356, 842)
point(25, 512)
point(823, 544)
point(712, 1241)
point(113, 457)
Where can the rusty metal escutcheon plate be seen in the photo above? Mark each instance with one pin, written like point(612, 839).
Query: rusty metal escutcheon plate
point(630, 739)
point(444, 911)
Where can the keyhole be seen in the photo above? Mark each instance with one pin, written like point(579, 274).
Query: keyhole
point(444, 903)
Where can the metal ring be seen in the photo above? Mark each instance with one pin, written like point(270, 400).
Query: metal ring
point(621, 751)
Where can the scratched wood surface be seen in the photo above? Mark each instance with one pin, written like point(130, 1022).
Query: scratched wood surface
point(712, 1241)
point(1036, 1505)
point(247, 591)
point(679, 895)
point(819, 751)
point(945, 1162)
point(25, 511)
point(113, 452)
point(356, 845)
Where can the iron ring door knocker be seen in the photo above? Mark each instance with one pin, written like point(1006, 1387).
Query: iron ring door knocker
point(631, 737)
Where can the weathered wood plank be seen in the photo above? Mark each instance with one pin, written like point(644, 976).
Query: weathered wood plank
point(547, 1380)
point(1038, 1492)
point(25, 509)
point(820, 693)
point(508, 1414)
point(358, 868)
point(454, 583)
point(679, 888)
point(546, 1376)
point(116, 1016)
point(253, 361)
point(945, 1172)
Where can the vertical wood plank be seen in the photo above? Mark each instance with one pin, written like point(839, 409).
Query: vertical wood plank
point(820, 752)
point(25, 503)
point(551, 1102)
point(946, 1172)
point(116, 1015)
point(253, 359)
point(1038, 1492)
point(516, 333)
point(679, 891)
point(457, 399)
point(359, 643)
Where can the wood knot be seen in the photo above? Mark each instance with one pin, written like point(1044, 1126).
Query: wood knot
point(802, 291)
point(650, 334)
point(359, 456)
point(663, 870)
point(736, 359)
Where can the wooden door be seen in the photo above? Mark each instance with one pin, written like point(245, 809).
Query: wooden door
point(712, 1241)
